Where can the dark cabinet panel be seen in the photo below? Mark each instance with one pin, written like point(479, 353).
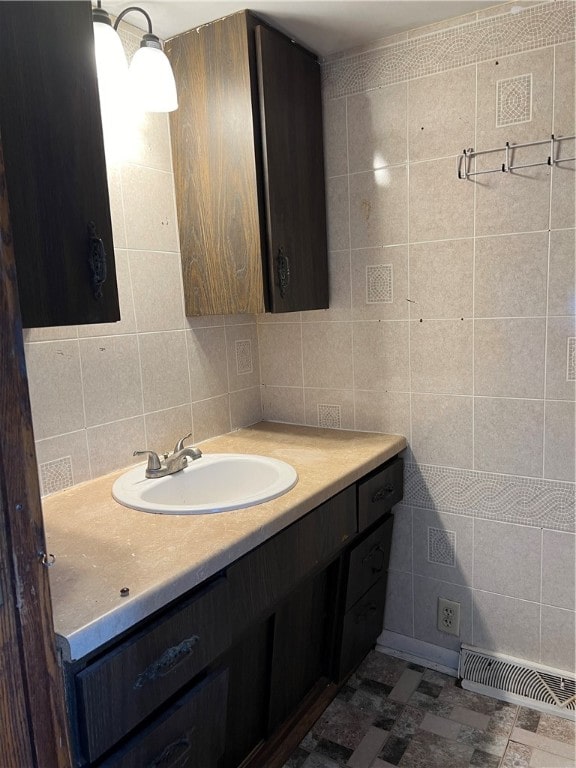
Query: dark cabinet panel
point(55, 167)
point(369, 561)
point(248, 167)
point(379, 491)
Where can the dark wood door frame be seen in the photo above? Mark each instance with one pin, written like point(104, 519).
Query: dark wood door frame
point(33, 731)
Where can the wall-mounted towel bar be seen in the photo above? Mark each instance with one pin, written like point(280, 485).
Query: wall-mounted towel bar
point(465, 159)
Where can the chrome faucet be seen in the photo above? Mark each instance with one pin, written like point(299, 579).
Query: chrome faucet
point(170, 463)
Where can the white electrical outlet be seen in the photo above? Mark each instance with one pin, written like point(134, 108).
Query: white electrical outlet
point(448, 616)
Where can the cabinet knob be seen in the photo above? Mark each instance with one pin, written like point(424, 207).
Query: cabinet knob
point(283, 267)
point(175, 751)
point(382, 493)
point(97, 261)
point(170, 659)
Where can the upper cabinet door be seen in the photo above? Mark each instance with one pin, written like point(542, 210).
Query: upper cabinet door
point(294, 191)
point(55, 165)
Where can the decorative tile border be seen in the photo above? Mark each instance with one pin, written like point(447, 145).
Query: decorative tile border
point(528, 501)
point(454, 47)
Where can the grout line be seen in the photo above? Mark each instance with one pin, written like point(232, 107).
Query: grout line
point(474, 299)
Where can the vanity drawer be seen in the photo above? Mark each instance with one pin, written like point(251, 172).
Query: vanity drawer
point(369, 561)
point(126, 685)
point(379, 492)
point(362, 625)
point(190, 733)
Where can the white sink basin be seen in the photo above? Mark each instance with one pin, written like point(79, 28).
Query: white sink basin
point(214, 483)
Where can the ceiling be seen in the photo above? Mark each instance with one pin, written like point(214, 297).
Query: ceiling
point(324, 26)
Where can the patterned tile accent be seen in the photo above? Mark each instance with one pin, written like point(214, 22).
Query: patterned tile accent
point(441, 546)
point(529, 501)
point(56, 475)
point(535, 27)
point(243, 356)
point(329, 416)
point(514, 100)
point(379, 284)
point(571, 361)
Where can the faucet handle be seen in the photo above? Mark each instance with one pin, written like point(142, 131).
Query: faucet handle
point(180, 443)
point(153, 459)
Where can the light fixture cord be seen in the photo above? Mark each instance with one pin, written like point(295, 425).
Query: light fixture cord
point(127, 10)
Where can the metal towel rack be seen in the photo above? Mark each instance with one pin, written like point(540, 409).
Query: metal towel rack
point(465, 159)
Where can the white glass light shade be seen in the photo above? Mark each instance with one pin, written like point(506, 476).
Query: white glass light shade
point(151, 81)
point(111, 63)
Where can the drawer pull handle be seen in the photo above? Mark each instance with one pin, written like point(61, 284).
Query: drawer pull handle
point(175, 751)
point(166, 663)
point(368, 611)
point(376, 550)
point(382, 493)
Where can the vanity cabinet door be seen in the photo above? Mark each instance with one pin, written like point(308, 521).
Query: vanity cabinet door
point(55, 166)
point(379, 491)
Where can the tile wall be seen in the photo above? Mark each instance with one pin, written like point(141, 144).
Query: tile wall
point(452, 318)
point(99, 392)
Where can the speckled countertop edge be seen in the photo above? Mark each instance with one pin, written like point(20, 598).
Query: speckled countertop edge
point(101, 546)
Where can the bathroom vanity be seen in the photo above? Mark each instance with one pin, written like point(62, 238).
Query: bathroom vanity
point(236, 625)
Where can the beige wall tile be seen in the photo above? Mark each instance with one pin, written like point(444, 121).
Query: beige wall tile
point(513, 202)
point(558, 634)
point(150, 144)
point(442, 112)
point(426, 594)
point(401, 550)
point(441, 205)
point(558, 558)
point(50, 333)
point(442, 430)
point(441, 356)
point(335, 137)
point(73, 446)
point(211, 417)
point(111, 446)
point(509, 357)
point(55, 384)
point(164, 365)
point(507, 625)
point(559, 440)
point(149, 209)
point(381, 356)
point(111, 377)
point(564, 89)
point(127, 322)
point(243, 319)
point(377, 128)
point(166, 427)
point(443, 545)
point(563, 183)
point(327, 355)
point(511, 275)
point(208, 321)
point(279, 317)
point(380, 283)
point(387, 412)
point(508, 436)
point(507, 559)
point(441, 276)
point(283, 404)
point(339, 290)
point(399, 610)
point(157, 289)
point(330, 408)
point(207, 363)
point(116, 206)
point(497, 10)
point(562, 277)
point(245, 407)
point(529, 101)
point(378, 207)
point(338, 213)
point(243, 358)
point(280, 346)
point(559, 385)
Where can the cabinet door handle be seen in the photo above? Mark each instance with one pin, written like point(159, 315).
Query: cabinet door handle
point(283, 267)
point(97, 261)
point(368, 611)
point(376, 549)
point(175, 751)
point(382, 493)
point(167, 662)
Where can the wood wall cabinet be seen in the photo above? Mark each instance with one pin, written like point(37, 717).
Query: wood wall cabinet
point(249, 171)
point(228, 665)
point(55, 166)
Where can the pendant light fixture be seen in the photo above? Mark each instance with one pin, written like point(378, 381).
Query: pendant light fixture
point(150, 79)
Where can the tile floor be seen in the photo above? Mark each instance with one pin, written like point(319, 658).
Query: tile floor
point(392, 713)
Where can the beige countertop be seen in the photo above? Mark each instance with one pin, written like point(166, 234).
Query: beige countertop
point(101, 547)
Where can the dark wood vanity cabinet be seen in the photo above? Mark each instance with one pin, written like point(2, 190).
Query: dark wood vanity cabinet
point(249, 172)
point(227, 665)
point(51, 133)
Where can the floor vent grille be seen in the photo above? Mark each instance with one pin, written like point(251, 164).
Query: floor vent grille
point(515, 677)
